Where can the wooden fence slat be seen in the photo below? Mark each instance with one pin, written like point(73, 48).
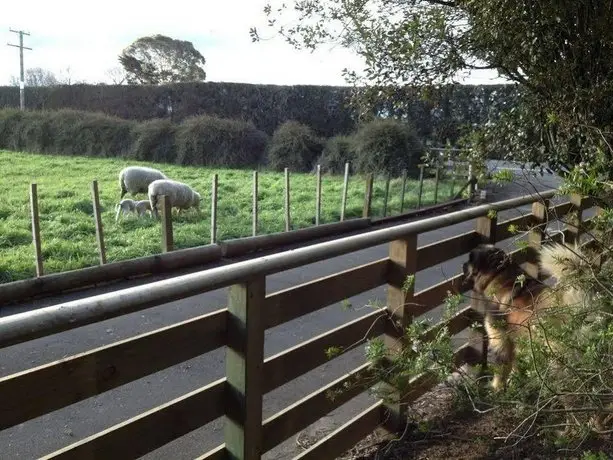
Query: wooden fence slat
point(288, 224)
point(432, 297)
point(318, 196)
point(368, 196)
point(214, 190)
point(254, 231)
point(387, 192)
point(437, 173)
point(72, 379)
point(98, 223)
point(420, 187)
point(444, 250)
point(167, 237)
point(152, 429)
point(245, 379)
point(402, 192)
point(218, 453)
point(344, 197)
point(521, 223)
point(38, 254)
point(346, 436)
point(292, 303)
point(302, 358)
point(311, 408)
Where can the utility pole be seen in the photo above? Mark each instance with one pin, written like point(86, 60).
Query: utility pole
point(22, 85)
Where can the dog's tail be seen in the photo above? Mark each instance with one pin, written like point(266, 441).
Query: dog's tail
point(562, 262)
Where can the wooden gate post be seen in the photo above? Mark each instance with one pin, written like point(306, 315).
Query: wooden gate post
point(400, 293)
point(575, 222)
point(540, 214)
point(244, 366)
point(486, 229)
point(38, 253)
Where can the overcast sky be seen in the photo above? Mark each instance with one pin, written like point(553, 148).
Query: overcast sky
point(87, 37)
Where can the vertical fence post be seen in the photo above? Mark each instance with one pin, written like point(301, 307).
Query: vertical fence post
point(287, 202)
point(400, 293)
point(38, 255)
point(540, 214)
point(387, 192)
point(255, 203)
point(453, 181)
point(318, 197)
point(167, 239)
point(368, 196)
point(98, 222)
point(214, 209)
point(244, 364)
point(344, 197)
point(486, 229)
point(404, 186)
point(575, 221)
point(420, 188)
point(436, 183)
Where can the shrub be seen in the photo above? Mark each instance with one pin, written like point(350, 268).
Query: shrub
point(295, 146)
point(387, 145)
point(154, 140)
point(211, 141)
point(337, 151)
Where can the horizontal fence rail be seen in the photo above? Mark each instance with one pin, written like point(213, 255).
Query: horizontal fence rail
point(240, 329)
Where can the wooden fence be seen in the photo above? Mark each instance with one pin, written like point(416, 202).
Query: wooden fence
point(240, 328)
point(167, 239)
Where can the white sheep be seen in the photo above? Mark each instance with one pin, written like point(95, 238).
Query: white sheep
point(136, 179)
point(181, 195)
point(128, 206)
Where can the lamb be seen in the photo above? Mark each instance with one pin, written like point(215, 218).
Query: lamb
point(136, 179)
point(128, 206)
point(181, 195)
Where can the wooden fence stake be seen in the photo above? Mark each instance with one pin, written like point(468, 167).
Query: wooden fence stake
point(318, 197)
point(98, 222)
point(344, 197)
point(38, 255)
point(368, 196)
point(255, 203)
point(387, 192)
point(167, 239)
point(404, 186)
point(436, 184)
point(214, 209)
point(244, 365)
point(454, 177)
point(421, 185)
point(400, 293)
point(287, 203)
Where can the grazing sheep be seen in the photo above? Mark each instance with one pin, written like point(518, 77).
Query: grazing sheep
point(181, 195)
point(136, 179)
point(128, 206)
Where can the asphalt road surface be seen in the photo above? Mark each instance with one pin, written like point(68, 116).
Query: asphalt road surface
point(60, 428)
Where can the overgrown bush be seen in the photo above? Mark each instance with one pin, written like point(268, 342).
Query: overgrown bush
point(387, 145)
point(295, 146)
point(65, 132)
point(154, 140)
point(337, 151)
point(211, 141)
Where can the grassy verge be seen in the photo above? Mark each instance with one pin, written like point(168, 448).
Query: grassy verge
point(67, 225)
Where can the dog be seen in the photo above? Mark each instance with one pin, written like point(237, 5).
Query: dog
point(511, 298)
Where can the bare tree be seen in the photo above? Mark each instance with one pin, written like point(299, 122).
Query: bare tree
point(117, 75)
point(37, 76)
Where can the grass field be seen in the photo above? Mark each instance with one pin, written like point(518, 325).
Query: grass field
point(66, 216)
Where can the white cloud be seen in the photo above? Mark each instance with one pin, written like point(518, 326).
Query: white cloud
point(88, 37)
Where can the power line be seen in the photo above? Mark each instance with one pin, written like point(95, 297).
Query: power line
point(21, 33)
